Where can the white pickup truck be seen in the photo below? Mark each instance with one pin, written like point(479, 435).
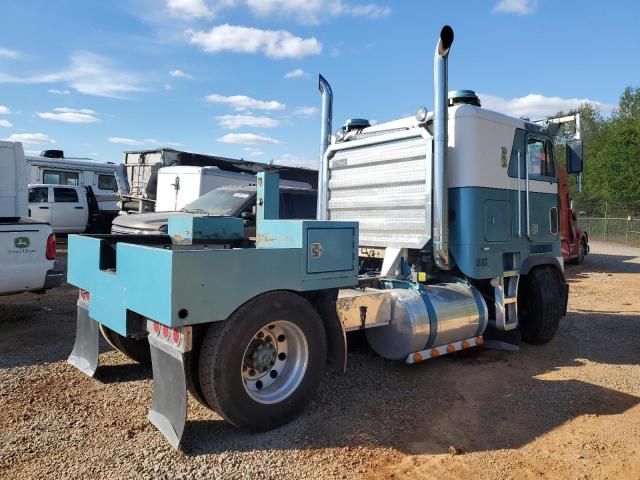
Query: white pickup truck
point(64, 207)
point(27, 247)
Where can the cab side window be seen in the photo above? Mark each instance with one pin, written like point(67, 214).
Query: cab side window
point(107, 182)
point(65, 195)
point(39, 195)
point(58, 177)
point(540, 157)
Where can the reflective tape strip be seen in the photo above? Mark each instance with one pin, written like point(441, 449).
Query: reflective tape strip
point(435, 352)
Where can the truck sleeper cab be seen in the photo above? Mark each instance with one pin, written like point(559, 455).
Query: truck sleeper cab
point(434, 234)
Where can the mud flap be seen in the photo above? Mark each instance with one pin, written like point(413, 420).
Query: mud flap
point(501, 340)
point(169, 406)
point(84, 355)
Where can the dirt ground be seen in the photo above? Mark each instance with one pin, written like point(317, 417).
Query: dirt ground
point(566, 410)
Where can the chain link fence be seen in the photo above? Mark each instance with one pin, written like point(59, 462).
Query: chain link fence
point(610, 221)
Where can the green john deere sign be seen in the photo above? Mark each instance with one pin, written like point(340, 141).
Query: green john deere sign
point(22, 242)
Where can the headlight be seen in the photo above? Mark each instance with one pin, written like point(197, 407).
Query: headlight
point(421, 114)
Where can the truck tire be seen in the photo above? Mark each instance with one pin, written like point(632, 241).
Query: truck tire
point(136, 349)
point(261, 367)
point(582, 251)
point(540, 305)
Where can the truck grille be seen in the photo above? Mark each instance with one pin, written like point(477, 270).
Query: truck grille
point(386, 186)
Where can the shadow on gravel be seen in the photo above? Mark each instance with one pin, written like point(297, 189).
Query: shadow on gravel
point(476, 402)
point(599, 262)
point(126, 372)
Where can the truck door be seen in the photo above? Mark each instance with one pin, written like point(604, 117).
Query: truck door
point(39, 205)
point(541, 208)
point(69, 212)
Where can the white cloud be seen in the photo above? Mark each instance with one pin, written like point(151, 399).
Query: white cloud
point(70, 115)
point(246, 139)
point(84, 111)
point(254, 152)
point(177, 73)
point(277, 44)
point(149, 142)
point(4, 110)
point(242, 102)
point(305, 111)
point(232, 122)
point(535, 105)
point(297, 73)
point(6, 123)
point(87, 73)
point(8, 53)
point(190, 8)
point(126, 141)
point(31, 138)
point(312, 11)
point(370, 10)
point(519, 7)
point(55, 91)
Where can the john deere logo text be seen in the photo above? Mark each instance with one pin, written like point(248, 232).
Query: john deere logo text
point(21, 242)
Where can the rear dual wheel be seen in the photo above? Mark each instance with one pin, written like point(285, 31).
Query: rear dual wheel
point(262, 366)
point(137, 349)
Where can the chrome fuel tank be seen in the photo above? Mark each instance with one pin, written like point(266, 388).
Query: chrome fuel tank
point(427, 317)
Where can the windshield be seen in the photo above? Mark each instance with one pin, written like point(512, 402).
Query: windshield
point(219, 202)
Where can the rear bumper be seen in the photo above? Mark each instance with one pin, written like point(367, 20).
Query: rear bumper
point(53, 278)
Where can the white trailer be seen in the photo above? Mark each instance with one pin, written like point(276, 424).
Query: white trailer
point(52, 168)
point(178, 186)
point(27, 247)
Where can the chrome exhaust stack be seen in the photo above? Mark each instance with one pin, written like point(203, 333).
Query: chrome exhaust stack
point(325, 141)
point(440, 143)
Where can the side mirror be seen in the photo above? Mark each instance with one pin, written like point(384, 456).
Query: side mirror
point(574, 156)
point(248, 217)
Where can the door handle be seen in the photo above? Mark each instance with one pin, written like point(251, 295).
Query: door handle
point(79, 208)
point(44, 208)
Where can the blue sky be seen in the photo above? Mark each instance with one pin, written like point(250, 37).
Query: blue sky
point(239, 77)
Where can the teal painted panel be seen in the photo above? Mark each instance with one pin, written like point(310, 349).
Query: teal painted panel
point(267, 196)
point(187, 228)
point(209, 284)
point(280, 234)
point(330, 250)
point(477, 256)
point(497, 221)
point(145, 275)
point(142, 282)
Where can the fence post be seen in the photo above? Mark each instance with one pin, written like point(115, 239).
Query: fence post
point(604, 230)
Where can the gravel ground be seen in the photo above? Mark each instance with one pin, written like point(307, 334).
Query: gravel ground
point(568, 409)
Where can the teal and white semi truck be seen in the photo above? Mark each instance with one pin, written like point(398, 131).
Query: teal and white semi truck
point(434, 234)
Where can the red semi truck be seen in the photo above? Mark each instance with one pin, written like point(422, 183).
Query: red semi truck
point(574, 242)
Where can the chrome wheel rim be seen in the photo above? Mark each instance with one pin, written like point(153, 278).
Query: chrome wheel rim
point(274, 362)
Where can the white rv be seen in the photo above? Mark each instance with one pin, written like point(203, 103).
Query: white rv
point(53, 169)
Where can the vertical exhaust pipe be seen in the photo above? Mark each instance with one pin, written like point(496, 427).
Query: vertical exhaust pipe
point(440, 141)
point(325, 141)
